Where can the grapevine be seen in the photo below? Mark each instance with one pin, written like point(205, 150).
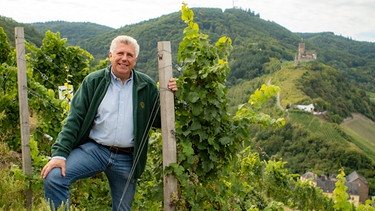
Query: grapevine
point(208, 136)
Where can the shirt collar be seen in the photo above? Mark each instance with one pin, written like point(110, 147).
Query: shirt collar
point(115, 78)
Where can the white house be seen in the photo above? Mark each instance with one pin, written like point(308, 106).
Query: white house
point(307, 108)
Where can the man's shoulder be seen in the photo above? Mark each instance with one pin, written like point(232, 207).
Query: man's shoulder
point(143, 77)
point(97, 75)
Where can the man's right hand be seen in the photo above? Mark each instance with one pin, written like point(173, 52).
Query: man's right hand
point(53, 163)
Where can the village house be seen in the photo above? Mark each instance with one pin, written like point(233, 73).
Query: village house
point(357, 185)
point(363, 188)
point(307, 108)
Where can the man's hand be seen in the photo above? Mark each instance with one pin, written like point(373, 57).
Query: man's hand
point(172, 85)
point(53, 163)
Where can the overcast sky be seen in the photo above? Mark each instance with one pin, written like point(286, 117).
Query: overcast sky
point(349, 18)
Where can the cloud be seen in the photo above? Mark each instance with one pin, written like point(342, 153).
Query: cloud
point(347, 18)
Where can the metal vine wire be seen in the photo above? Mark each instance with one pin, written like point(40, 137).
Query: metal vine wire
point(150, 121)
point(32, 92)
point(43, 75)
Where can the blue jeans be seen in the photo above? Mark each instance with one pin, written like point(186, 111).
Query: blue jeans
point(88, 160)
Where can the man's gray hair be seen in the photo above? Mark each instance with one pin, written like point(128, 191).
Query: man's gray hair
point(127, 40)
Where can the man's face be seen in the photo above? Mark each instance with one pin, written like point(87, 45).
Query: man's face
point(123, 59)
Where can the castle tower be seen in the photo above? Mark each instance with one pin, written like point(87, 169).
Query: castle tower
point(305, 55)
point(301, 51)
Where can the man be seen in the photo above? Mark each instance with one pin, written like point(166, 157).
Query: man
point(106, 129)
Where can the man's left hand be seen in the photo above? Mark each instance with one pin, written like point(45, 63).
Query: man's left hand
point(172, 85)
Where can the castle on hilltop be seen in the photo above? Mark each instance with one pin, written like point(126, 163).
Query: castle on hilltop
point(304, 55)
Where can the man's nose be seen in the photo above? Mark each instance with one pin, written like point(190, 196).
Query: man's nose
point(124, 58)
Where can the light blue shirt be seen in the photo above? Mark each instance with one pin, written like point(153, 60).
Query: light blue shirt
point(113, 123)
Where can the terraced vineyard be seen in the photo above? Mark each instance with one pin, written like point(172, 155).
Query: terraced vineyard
point(372, 96)
point(363, 132)
point(359, 130)
point(318, 126)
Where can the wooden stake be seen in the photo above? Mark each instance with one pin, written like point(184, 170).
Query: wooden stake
point(167, 120)
point(23, 109)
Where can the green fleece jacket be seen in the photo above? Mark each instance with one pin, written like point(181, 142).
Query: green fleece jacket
point(84, 106)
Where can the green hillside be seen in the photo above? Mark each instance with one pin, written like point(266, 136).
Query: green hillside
point(75, 32)
point(355, 60)
point(31, 33)
point(248, 32)
point(308, 83)
point(314, 142)
point(256, 42)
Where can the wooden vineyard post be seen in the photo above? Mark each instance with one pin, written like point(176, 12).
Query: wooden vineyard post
point(167, 120)
point(23, 109)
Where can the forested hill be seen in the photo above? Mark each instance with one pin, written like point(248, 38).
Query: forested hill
point(33, 34)
point(256, 42)
point(355, 60)
point(260, 47)
point(75, 32)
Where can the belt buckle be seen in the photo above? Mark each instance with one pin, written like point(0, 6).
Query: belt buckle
point(114, 149)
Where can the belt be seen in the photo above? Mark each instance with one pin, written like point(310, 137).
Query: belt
point(120, 150)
